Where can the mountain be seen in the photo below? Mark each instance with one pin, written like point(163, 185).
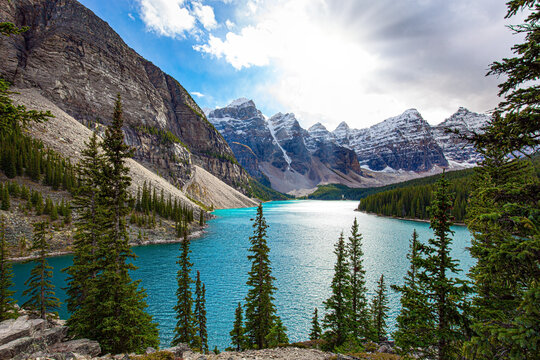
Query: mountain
point(402, 142)
point(455, 149)
point(80, 63)
point(280, 153)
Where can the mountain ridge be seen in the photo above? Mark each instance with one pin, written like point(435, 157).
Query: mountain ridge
point(399, 148)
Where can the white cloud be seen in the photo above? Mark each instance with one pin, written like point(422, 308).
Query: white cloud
point(197, 94)
point(229, 24)
point(130, 15)
point(167, 17)
point(363, 62)
point(175, 18)
point(205, 15)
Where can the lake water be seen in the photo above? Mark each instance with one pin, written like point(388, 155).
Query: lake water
point(301, 236)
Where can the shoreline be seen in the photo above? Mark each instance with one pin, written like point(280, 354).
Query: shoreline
point(195, 234)
point(402, 218)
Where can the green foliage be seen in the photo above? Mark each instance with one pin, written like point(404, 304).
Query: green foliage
point(447, 297)
point(412, 201)
point(238, 338)
point(260, 309)
point(39, 285)
point(379, 310)
point(414, 322)
point(184, 331)
point(7, 304)
point(8, 29)
point(338, 306)
point(165, 137)
point(316, 331)
point(265, 193)
point(201, 339)
point(359, 322)
point(112, 306)
point(277, 335)
point(504, 214)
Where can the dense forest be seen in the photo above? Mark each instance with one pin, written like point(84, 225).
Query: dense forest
point(411, 199)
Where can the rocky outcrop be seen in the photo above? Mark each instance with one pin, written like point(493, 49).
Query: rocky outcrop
point(78, 62)
point(29, 338)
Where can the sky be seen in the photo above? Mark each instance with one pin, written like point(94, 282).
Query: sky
point(328, 61)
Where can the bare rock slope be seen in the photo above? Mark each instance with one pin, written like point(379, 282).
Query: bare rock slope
point(67, 136)
point(80, 63)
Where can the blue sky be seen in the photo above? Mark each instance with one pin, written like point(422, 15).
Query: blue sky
point(359, 61)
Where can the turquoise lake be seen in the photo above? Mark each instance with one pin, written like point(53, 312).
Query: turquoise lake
point(301, 237)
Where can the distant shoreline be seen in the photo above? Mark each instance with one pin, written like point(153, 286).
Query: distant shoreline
point(193, 235)
point(402, 218)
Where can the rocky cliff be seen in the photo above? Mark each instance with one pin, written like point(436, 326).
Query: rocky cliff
point(80, 63)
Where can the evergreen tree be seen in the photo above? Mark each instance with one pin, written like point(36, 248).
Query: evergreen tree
point(414, 322)
point(39, 286)
point(316, 331)
point(201, 340)
point(81, 292)
point(359, 321)
point(338, 305)
point(238, 338)
point(277, 335)
point(7, 304)
point(379, 310)
point(185, 331)
point(122, 304)
point(503, 214)
point(446, 295)
point(6, 203)
point(260, 308)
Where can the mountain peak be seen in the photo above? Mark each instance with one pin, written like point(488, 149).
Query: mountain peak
point(342, 126)
point(317, 128)
point(241, 102)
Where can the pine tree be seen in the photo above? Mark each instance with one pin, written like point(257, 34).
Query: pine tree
point(201, 340)
point(359, 321)
point(379, 310)
point(39, 285)
point(338, 305)
point(185, 331)
point(316, 331)
point(414, 322)
point(81, 300)
point(122, 303)
point(260, 308)
point(503, 214)
point(448, 296)
point(278, 334)
point(238, 338)
point(201, 218)
point(7, 304)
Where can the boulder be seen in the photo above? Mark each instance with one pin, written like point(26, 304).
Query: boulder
point(79, 346)
point(23, 326)
point(178, 350)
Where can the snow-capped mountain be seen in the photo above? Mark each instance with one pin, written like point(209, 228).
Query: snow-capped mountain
point(280, 153)
point(403, 142)
point(455, 149)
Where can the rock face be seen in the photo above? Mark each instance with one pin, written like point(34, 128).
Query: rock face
point(80, 64)
point(26, 337)
point(280, 153)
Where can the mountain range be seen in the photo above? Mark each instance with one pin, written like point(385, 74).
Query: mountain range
point(280, 153)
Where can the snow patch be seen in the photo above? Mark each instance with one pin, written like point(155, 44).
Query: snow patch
point(272, 131)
